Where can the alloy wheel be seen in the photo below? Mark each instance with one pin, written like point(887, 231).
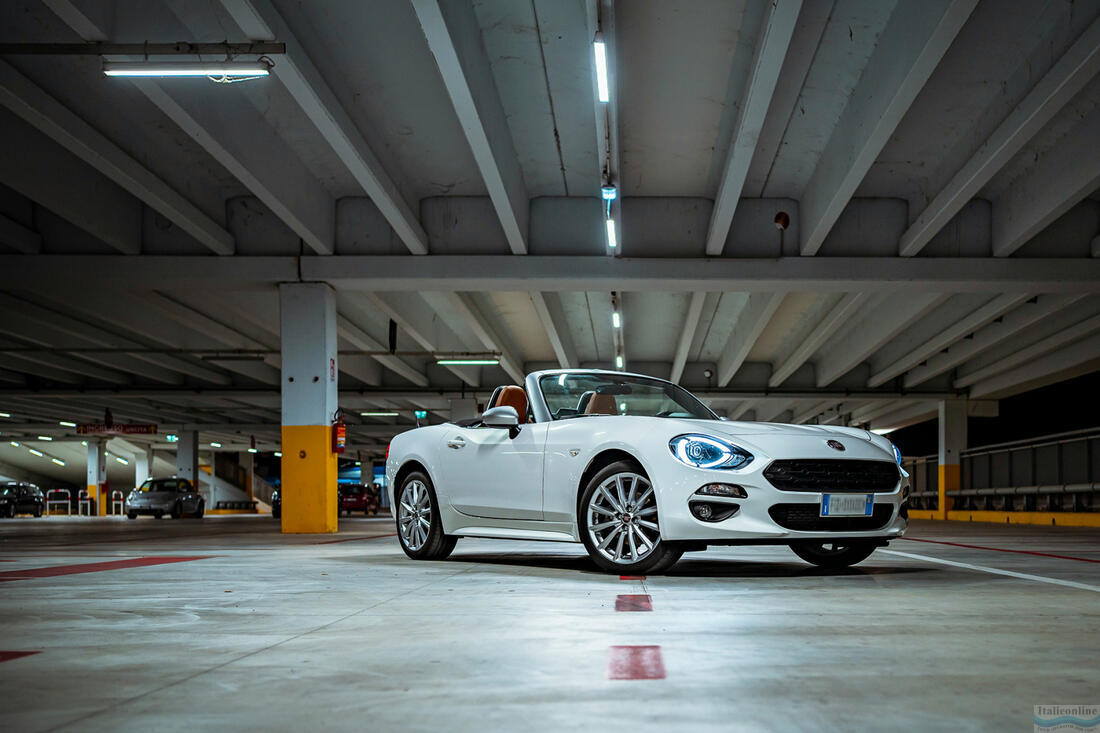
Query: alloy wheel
point(621, 518)
point(414, 515)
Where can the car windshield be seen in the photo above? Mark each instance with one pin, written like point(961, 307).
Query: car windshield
point(586, 393)
point(159, 484)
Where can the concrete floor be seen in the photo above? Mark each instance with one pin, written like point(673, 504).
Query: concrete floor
point(280, 633)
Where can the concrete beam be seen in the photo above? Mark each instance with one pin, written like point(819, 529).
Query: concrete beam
point(472, 273)
point(417, 318)
point(552, 315)
point(751, 322)
point(1066, 78)
point(1062, 177)
point(908, 51)
point(1031, 354)
point(463, 306)
point(989, 336)
point(1079, 358)
point(776, 31)
point(261, 21)
point(869, 334)
point(454, 37)
point(35, 106)
point(946, 337)
point(357, 336)
point(687, 335)
point(848, 306)
point(18, 237)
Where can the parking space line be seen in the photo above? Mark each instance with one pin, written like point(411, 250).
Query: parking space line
point(635, 663)
point(8, 656)
point(631, 577)
point(1003, 549)
point(633, 603)
point(95, 567)
point(356, 539)
point(997, 571)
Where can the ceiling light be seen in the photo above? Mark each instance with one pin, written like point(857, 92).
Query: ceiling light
point(600, 49)
point(172, 438)
point(44, 437)
point(619, 361)
point(610, 193)
point(612, 241)
point(66, 424)
point(36, 452)
point(14, 443)
point(225, 69)
point(215, 445)
point(379, 413)
point(467, 362)
point(253, 450)
point(58, 461)
point(5, 414)
point(278, 454)
point(123, 461)
point(420, 414)
point(616, 320)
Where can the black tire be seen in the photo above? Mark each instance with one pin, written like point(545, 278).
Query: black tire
point(11, 511)
point(131, 515)
point(276, 512)
point(201, 510)
point(660, 557)
point(38, 511)
point(435, 545)
point(158, 515)
point(176, 511)
point(833, 555)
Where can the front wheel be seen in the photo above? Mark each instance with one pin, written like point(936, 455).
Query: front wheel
point(38, 511)
point(131, 515)
point(833, 555)
point(201, 510)
point(419, 526)
point(619, 523)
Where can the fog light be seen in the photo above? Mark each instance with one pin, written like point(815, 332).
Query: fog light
point(731, 491)
point(705, 511)
point(702, 511)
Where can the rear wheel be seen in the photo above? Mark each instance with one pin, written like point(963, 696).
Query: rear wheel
point(419, 526)
point(833, 555)
point(619, 523)
point(201, 510)
point(177, 512)
point(131, 515)
point(11, 511)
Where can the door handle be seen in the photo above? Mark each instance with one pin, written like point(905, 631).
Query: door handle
point(456, 443)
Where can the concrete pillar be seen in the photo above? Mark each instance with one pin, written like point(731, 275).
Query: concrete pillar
point(98, 490)
point(308, 327)
point(187, 457)
point(247, 461)
point(143, 465)
point(463, 409)
point(952, 428)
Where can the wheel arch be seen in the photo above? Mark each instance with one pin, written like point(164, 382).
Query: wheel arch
point(600, 461)
point(406, 468)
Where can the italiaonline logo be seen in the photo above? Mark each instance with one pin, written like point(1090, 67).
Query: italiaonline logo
point(1067, 717)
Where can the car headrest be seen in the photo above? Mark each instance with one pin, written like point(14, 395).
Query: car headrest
point(601, 404)
point(515, 397)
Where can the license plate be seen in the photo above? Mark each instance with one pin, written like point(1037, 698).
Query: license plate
point(847, 505)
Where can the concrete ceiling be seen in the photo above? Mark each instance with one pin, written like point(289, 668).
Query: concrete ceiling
point(938, 162)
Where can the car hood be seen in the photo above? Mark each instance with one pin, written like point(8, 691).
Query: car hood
point(735, 428)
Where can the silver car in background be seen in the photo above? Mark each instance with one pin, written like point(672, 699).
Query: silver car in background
point(175, 497)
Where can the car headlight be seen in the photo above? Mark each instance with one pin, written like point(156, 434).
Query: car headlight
point(704, 451)
point(897, 453)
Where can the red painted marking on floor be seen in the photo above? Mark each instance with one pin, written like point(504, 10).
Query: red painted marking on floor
point(631, 577)
point(1002, 549)
point(633, 603)
point(355, 539)
point(95, 567)
point(635, 663)
point(8, 656)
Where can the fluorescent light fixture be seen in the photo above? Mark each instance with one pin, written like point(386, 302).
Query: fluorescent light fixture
point(44, 437)
point(619, 361)
point(172, 438)
point(882, 431)
point(66, 424)
point(467, 362)
point(616, 320)
point(14, 443)
point(379, 413)
point(123, 461)
point(228, 69)
point(612, 240)
point(84, 442)
point(600, 49)
point(5, 414)
point(58, 461)
point(610, 193)
point(36, 452)
point(215, 444)
point(253, 450)
point(278, 454)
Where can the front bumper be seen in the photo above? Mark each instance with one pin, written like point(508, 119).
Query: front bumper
point(767, 514)
point(147, 509)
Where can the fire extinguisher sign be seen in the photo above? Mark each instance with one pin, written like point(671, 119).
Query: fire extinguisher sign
point(339, 436)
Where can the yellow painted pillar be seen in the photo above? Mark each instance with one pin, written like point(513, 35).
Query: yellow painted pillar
point(97, 476)
point(309, 391)
point(952, 434)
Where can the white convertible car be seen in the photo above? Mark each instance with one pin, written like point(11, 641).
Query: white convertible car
point(641, 471)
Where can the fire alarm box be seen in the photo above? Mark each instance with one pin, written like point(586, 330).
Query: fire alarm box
point(339, 436)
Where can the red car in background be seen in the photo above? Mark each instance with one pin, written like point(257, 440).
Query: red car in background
point(358, 499)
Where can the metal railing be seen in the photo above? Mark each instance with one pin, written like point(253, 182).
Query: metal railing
point(84, 503)
point(117, 502)
point(66, 502)
point(1050, 473)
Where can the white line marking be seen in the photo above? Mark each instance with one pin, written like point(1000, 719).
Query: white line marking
point(997, 571)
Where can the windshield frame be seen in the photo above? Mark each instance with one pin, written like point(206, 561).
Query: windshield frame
point(542, 410)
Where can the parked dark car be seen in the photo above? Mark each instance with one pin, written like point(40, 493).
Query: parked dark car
point(176, 497)
point(358, 499)
point(276, 504)
point(21, 498)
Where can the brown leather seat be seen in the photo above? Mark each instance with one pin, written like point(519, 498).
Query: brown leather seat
point(515, 397)
point(601, 404)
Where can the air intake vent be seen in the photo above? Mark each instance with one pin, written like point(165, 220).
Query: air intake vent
point(835, 475)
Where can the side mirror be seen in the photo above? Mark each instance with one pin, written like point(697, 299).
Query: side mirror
point(500, 417)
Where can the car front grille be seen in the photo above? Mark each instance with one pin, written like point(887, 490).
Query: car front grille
point(806, 518)
point(833, 475)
